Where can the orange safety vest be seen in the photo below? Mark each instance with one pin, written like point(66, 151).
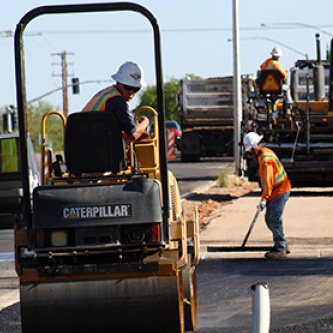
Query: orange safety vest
point(274, 64)
point(268, 64)
point(98, 102)
point(281, 182)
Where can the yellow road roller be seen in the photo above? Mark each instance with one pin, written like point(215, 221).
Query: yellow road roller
point(104, 246)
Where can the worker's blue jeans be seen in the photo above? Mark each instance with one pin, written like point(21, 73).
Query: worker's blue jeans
point(273, 217)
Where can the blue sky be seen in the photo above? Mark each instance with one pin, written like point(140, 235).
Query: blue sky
point(194, 40)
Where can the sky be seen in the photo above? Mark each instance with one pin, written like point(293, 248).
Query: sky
point(195, 39)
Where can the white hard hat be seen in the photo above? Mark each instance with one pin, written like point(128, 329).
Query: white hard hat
point(131, 74)
point(251, 139)
point(276, 52)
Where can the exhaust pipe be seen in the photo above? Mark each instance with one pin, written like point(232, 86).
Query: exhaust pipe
point(318, 49)
point(319, 75)
point(330, 87)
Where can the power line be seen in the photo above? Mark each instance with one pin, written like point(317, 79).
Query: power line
point(281, 26)
point(144, 31)
point(10, 33)
point(292, 26)
point(67, 86)
point(297, 24)
point(274, 41)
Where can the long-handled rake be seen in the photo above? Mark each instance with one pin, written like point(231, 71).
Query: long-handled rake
point(242, 248)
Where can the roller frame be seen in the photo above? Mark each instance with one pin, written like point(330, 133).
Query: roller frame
point(152, 294)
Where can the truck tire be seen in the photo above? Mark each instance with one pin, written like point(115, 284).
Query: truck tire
point(190, 158)
point(191, 150)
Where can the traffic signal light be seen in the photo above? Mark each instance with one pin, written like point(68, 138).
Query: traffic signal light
point(7, 123)
point(14, 120)
point(9, 119)
point(76, 85)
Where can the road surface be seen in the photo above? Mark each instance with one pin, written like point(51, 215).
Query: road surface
point(191, 176)
point(299, 287)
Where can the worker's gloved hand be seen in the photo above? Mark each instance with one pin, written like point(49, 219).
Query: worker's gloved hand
point(262, 204)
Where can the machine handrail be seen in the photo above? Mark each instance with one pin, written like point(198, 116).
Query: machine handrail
point(21, 96)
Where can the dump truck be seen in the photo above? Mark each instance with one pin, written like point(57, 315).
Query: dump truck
point(301, 136)
point(104, 246)
point(206, 109)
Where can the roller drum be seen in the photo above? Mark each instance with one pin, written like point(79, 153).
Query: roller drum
point(142, 304)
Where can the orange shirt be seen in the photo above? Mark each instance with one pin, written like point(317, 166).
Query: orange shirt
point(273, 177)
point(274, 64)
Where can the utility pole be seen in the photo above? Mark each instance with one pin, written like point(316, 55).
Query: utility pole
point(238, 114)
point(64, 77)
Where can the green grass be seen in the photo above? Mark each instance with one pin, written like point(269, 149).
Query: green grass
point(225, 179)
point(222, 179)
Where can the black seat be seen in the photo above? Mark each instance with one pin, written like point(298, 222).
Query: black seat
point(94, 143)
point(270, 82)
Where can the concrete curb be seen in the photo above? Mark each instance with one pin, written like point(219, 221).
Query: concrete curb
point(302, 254)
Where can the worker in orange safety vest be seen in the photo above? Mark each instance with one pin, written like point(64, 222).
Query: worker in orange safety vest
point(129, 80)
point(273, 63)
point(275, 192)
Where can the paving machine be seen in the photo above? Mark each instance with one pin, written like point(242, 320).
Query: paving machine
point(104, 246)
point(301, 135)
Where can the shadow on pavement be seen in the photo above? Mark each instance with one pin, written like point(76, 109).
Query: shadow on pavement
point(300, 294)
point(266, 268)
point(215, 197)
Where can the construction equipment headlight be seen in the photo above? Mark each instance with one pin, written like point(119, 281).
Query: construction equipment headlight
point(59, 238)
point(136, 235)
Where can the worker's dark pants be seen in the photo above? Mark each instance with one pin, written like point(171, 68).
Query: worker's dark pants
point(273, 217)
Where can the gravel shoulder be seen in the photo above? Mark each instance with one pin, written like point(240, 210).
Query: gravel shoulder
point(214, 197)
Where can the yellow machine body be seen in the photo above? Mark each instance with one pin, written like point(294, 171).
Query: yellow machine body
point(111, 287)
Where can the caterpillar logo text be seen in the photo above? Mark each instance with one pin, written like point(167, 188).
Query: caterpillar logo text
point(85, 212)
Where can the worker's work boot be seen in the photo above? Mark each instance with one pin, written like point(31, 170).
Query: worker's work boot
point(276, 255)
point(287, 249)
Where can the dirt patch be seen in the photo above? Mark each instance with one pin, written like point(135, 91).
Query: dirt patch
point(214, 197)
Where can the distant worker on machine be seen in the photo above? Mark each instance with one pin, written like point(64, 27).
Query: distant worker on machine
point(273, 63)
point(129, 80)
point(275, 192)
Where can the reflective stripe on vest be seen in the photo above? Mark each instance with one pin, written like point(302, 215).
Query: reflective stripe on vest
point(269, 64)
point(279, 176)
point(98, 102)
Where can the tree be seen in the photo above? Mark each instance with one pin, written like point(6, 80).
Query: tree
point(171, 89)
point(192, 77)
point(54, 128)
